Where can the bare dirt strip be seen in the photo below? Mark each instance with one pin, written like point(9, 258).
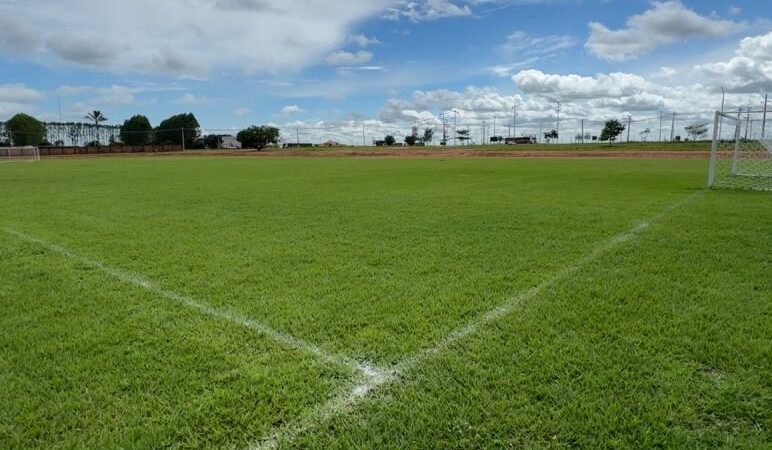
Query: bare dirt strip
point(403, 153)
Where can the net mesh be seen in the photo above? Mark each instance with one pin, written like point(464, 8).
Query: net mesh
point(741, 157)
point(19, 154)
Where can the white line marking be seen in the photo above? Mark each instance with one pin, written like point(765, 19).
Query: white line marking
point(347, 400)
point(279, 337)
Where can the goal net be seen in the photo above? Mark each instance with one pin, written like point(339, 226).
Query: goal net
point(741, 155)
point(17, 154)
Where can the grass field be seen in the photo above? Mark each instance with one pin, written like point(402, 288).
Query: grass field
point(382, 303)
point(688, 146)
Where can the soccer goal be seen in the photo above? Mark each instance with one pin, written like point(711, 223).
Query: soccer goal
point(741, 155)
point(19, 154)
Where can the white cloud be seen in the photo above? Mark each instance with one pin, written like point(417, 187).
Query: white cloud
point(241, 112)
point(186, 99)
point(364, 41)
point(428, 10)
point(181, 37)
point(343, 58)
point(667, 72)
point(114, 95)
point(192, 99)
point(16, 98)
point(18, 93)
point(522, 43)
point(749, 71)
point(665, 23)
point(290, 110)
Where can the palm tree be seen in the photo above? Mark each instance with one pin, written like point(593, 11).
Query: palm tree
point(97, 117)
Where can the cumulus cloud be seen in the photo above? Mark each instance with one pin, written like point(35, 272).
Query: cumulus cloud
point(290, 110)
point(364, 41)
point(181, 37)
point(665, 23)
point(16, 98)
point(749, 71)
point(344, 58)
point(18, 93)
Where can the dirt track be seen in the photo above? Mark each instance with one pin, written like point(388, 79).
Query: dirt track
point(402, 153)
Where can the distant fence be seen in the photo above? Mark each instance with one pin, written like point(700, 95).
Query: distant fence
point(108, 149)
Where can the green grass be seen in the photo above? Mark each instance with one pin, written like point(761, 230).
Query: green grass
point(689, 146)
point(661, 342)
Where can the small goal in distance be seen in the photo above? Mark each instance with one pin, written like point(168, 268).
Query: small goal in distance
point(19, 154)
point(741, 154)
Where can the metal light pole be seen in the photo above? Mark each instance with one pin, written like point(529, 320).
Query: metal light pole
point(764, 119)
point(514, 120)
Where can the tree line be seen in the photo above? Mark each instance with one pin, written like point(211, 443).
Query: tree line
point(179, 129)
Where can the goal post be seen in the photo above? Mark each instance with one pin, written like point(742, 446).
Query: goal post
point(741, 153)
point(19, 154)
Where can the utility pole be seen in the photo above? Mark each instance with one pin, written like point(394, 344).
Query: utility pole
point(444, 129)
point(182, 132)
point(764, 119)
point(364, 140)
point(672, 129)
point(514, 120)
point(455, 116)
point(582, 139)
point(494, 126)
point(540, 132)
point(747, 122)
point(297, 136)
point(629, 122)
point(660, 126)
point(723, 95)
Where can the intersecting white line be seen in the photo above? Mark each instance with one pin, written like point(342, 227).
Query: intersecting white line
point(348, 399)
point(363, 370)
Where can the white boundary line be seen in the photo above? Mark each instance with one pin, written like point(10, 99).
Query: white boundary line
point(347, 400)
point(284, 339)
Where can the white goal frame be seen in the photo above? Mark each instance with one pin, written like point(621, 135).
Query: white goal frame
point(19, 154)
point(740, 157)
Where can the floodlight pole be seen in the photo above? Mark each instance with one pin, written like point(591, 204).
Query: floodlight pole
point(182, 131)
point(764, 119)
point(514, 120)
point(660, 126)
point(672, 129)
point(629, 122)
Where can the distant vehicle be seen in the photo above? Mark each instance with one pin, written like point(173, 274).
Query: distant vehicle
point(520, 140)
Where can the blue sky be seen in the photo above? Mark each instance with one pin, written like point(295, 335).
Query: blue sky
point(299, 63)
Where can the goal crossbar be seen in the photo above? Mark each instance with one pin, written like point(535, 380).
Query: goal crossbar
point(19, 154)
point(741, 154)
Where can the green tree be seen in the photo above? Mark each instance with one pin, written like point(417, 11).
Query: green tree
point(97, 117)
point(428, 136)
point(696, 130)
point(463, 136)
point(25, 130)
point(389, 140)
point(411, 140)
point(611, 130)
point(258, 137)
point(136, 131)
point(172, 130)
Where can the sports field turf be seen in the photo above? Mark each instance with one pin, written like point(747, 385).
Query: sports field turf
point(382, 303)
